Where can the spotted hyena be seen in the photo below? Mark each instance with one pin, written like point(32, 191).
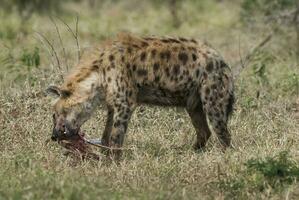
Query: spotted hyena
point(128, 70)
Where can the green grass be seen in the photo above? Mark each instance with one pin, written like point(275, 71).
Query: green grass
point(160, 162)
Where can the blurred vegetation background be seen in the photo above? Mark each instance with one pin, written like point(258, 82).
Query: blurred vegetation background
point(41, 40)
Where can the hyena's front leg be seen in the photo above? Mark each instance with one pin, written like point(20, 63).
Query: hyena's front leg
point(122, 115)
point(108, 127)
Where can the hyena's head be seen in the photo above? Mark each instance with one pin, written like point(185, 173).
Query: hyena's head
point(71, 110)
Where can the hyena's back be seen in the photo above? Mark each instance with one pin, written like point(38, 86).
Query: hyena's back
point(168, 71)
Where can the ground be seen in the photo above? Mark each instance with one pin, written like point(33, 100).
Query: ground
point(159, 162)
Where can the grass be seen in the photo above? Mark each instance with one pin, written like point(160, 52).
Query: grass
point(161, 163)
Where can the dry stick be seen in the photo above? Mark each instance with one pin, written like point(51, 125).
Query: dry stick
point(60, 39)
point(105, 147)
point(75, 34)
point(53, 52)
point(77, 39)
point(241, 64)
point(46, 47)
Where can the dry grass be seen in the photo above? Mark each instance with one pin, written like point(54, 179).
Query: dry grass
point(161, 163)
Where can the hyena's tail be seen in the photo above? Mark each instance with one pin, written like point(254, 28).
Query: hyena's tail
point(217, 96)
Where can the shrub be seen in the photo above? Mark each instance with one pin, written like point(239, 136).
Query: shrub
point(250, 9)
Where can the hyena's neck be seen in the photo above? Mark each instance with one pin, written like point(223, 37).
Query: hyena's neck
point(84, 83)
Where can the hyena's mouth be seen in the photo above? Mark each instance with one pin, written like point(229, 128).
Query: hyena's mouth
point(68, 135)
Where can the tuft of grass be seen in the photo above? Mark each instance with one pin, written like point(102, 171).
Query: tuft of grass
point(262, 174)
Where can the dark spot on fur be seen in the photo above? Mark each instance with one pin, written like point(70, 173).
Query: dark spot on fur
point(176, 69)
point(154, 52)
point(173, 40)
point(157, 79)
point(214, 86)
point(135, 46)
point(80, 79)
point(204, 75)
point(213, 103)
point(210, 66)
point(65, 93)
point(123, 59)
point(148, 38)
point(112, 65)
point(142, 56)
point(183, 39)
point(144, 44)
point(222, 64)
point(162, 55)
point(95, 68)
point(128, 65)
point(186, 72)
point(167, 71)
point(156, 66)
point(111, 58)
point(129, 50)
point(134, 67)
point(117, 124)
point(192, 49)
point(221, 95)
point(205, 55)
point(102, 54)
point(109, 79)
point(197, 73)
point(207, 91)
point(194, 57)
point(142, 72)
point(69, 85)
point(183, 57)
point(165, 40)
point(167, 55)
point(194, 41)
point(126, 117)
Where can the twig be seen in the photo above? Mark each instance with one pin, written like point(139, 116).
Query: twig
point(54, 53)
point(49, 51)
point(74, 34)
point(241, 64)
point(61, 42)
point(105, 147)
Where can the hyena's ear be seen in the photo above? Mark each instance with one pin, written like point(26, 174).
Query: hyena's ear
point(57, 92)
point(53, 91)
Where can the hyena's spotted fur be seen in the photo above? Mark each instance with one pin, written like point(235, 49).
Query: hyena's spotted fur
point(131, 70)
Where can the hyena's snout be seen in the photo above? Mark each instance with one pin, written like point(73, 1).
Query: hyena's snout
point(63, 130)
point(59, 131)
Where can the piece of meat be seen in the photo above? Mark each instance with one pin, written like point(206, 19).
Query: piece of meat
point(78, 146)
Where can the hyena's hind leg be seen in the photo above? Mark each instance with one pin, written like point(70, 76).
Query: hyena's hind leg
point(217, 105)
point(199, 121)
